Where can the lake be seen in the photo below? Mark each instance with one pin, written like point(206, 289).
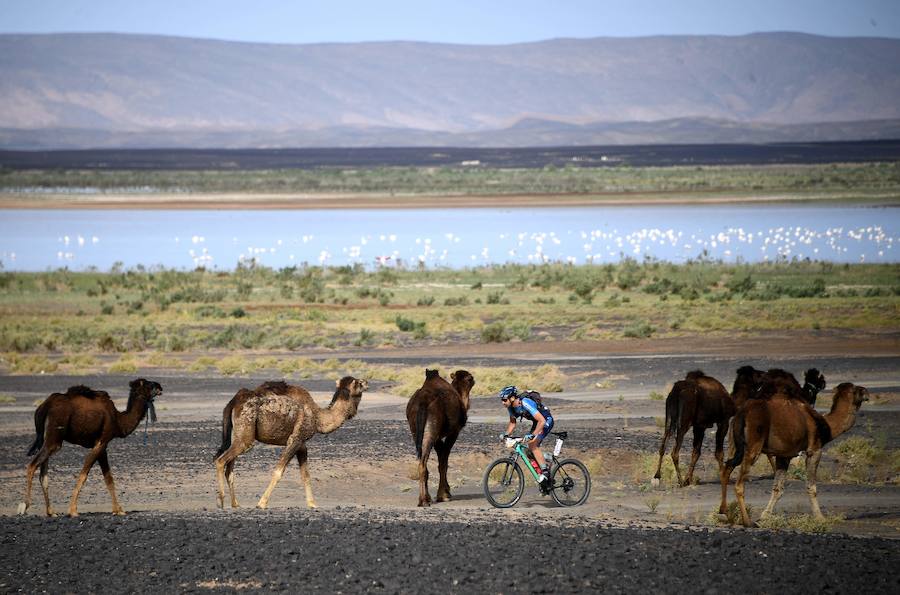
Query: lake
point(36, 240)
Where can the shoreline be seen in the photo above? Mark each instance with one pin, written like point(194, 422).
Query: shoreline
point(289, 201)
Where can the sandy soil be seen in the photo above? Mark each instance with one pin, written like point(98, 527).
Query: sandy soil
point(363, 479)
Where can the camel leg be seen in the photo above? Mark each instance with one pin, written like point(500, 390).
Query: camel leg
point(427, 444)
point(103, 459)
point(721, 430)
point(749, 458)
point(662, 453)
point(229, 477)
point(89, 461)
point(679, 437)
point(812, 466)
point(724, 478)
point(39, 461)
point(225, 465)
point(781, 466)
point(773, 464)
point(695, 453)
point(45, 487)
point(304, 475)
point(290, 451)
point(443, 448)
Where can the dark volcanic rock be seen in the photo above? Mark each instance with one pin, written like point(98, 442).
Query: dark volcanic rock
point(420, 552)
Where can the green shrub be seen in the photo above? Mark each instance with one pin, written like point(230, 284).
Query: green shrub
point(409, 326)
point(495, 333)
point(639, 330)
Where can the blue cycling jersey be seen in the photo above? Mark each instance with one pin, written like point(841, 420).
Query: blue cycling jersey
point(528, 408)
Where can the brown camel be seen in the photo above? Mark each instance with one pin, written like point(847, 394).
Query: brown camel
point(751, 383)
point(699, 401)
point(87, 418)
point(284, 415)
point(436, 414)
point(784, 427)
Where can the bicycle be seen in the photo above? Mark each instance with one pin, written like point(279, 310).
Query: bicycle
point(504, 481)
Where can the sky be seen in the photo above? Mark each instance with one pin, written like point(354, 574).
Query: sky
point(449, 21)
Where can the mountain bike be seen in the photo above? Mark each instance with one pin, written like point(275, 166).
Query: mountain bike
point(504, 480)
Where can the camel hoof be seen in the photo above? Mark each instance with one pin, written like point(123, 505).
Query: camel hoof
point(119, 512)
point(424, 503)
point(21, 508)
point(443, 498)
point(72, 515)
point(655, 482)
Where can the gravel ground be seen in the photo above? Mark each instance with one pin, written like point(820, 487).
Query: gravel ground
point(368, 537)
point(355, 550)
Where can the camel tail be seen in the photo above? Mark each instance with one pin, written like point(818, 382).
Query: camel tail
point(673, 412)
point(740, 441)
point(421, 419)
point(226, 429)
point(40, 420)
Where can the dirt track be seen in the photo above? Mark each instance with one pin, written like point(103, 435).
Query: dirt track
point(368, 536)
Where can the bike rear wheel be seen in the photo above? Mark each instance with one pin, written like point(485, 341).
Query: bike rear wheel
point(503, 483)
point(571, 483)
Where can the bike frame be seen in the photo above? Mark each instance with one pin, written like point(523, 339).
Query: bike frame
point(522, 451)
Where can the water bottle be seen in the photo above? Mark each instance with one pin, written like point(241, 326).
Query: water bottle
point(558, 447)
point(535, 466)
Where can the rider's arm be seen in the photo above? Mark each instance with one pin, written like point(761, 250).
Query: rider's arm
point(539, 421)
point(512, 425)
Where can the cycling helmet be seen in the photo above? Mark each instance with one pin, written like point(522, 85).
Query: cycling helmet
point(508, 392)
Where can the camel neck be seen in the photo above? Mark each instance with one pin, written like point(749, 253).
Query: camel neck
point(841, 417)
point(463, 394)
point(333, 416)
point(132, 416)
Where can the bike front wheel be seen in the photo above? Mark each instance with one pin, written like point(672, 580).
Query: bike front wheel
point(571, 483)
point(503, 483)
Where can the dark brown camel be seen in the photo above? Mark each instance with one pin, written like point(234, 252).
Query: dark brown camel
point(785, 427)
point(284, 415)
point(751, 383)
point(87, 418)
point(698, 401)
point(436, 414)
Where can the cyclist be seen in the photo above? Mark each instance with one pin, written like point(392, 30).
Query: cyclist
point(523, 405)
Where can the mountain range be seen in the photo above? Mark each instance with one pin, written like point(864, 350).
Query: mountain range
point(115, 90)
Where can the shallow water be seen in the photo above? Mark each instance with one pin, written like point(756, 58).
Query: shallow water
point(34, 240)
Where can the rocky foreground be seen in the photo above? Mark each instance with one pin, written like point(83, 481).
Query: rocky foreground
point(432, 551)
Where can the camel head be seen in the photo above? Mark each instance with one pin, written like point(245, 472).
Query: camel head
point(849, 393)
point(350, 390)
point(747, 375)
point(146, 391)
point(463, 382)
point(813, 380)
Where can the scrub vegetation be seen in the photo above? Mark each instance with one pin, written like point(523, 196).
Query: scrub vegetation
point(74, 317)
point(841, 179)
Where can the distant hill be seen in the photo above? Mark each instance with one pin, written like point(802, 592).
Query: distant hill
point(107, 90)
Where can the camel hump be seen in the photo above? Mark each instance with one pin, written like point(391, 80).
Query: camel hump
point(86, 392)
point(277, 387)
point(431, 374)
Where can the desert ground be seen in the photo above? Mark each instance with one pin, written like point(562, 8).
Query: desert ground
point(368, 535)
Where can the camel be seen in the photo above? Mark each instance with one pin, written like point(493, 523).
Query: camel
point(751, 383)
point(785, 427)
point(699, 401)
point(87, 418)
point(436, 414)
point(284, 415)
